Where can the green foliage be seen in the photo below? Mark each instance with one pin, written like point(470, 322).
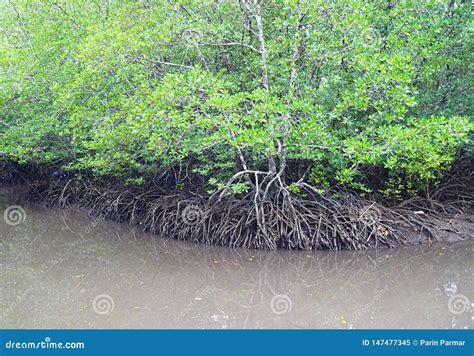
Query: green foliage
point(414, 155)
point(130, 89)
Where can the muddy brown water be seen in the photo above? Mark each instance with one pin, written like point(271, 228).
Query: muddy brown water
point(64, 269)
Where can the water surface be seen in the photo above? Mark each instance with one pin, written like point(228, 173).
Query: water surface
point(63, 269)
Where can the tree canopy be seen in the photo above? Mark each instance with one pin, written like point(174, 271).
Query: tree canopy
point(364, 94)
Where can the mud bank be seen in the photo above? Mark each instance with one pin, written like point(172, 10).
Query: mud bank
point(306, 221)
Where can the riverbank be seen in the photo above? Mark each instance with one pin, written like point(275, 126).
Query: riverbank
point(293, 126)
point(304, 221)
point(58, 262)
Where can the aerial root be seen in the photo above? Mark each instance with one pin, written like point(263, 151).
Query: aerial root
point(273, 219)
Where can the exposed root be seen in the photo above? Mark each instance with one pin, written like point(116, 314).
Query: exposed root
point(13, 174)
point(268, 218)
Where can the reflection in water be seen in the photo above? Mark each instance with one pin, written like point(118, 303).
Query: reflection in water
point(64, 269)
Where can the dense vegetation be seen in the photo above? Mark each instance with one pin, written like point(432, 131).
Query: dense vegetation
point(239, 95)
